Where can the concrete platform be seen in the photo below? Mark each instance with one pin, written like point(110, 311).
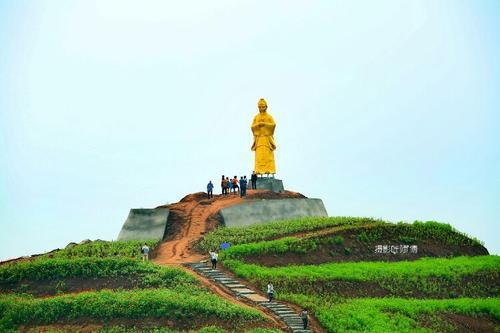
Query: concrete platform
point(262, 211)
point(142, 224)
point(272, 184)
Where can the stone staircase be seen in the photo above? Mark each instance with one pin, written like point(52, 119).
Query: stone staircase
point(279, 310)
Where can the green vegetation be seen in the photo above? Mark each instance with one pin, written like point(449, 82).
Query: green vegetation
point(406, 233)
point(207, 329)
point(390, 314)
point(327, 289)
point(191, 305)
point(104, 249)
point(420, 270)
point(149, 274)
point(255, 233)
point(409, 233)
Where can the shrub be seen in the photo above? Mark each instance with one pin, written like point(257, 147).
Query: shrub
point(389, 314)
point(147, 273)
point(274, 229)
point(104, 249)
point(106, 305)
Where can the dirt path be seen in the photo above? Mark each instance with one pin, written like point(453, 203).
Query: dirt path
point(189, 219)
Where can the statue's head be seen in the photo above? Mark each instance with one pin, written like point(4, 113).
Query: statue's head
point(262, 105)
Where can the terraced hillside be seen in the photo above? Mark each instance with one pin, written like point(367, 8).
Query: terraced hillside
point(103, 286)
point(365, 275)
point(351, 274)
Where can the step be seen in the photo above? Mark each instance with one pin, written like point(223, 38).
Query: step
point(270, 304)
point(296, 327)
point(278, 307)
point(234, 285)
point(225, 283)
point(255, 297)
point(243, 290)
point(219, 276)
point(283, 311)
point(215, 274)
point(196, 264)
point(227, 280)
point(290, 317)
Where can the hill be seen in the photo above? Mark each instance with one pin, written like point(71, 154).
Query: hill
point(351, 274)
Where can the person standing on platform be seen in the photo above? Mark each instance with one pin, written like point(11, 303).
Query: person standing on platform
point(245, 183)
point(235, 184)
point(210, 188)
point(229, 185)
point(254, 180)
point(243, 187)
point(223, 185)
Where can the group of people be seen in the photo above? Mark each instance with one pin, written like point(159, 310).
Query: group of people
point(233, 185)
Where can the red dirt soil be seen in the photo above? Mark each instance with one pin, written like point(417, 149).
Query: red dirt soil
point(193, 216)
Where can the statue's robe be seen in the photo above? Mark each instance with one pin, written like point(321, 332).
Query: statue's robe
point(263, 143)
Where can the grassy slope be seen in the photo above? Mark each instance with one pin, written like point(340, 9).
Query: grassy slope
point(390, 314)
point(365, 314)
point(179, 304)
point(363, 271)
point(177, 295)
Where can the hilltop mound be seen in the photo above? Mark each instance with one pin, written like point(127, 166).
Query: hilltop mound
point(195, 215)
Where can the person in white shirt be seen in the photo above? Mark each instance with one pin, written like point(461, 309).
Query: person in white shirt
point(270, 291)
point(145, 252)
point(305, 318)
point(213, 258)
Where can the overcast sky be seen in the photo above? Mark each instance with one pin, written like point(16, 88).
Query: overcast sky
point(388, 109)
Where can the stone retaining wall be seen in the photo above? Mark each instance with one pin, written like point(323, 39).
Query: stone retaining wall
point(144, 224)
point(262, 211)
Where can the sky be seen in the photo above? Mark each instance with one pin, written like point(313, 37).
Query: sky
point(385, 109)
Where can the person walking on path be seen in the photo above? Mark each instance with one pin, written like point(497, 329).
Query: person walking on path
point(210, 188)
point(213, 258)
point(145, 252)
point(270, 291)
point(305, 318)
point(254, 180)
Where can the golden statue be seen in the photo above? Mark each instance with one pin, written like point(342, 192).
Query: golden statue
point(263, 142)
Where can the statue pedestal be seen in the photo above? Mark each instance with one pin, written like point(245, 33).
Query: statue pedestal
point(272, 184)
